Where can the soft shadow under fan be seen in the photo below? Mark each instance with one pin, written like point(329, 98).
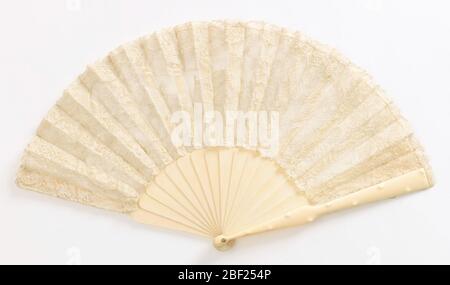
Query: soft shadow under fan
point(109, 140)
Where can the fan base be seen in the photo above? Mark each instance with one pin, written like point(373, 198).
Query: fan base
point(222, 243)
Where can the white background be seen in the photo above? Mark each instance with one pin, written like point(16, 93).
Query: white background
point(405, 45)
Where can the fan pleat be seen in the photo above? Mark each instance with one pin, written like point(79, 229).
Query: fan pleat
point(79, 104)
point(59, 129)
point(49, 159)
point(133, 72)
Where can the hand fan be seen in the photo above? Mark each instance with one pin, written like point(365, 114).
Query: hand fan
point(224, 129)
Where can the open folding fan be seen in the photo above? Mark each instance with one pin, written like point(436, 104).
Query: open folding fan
point(224, 129)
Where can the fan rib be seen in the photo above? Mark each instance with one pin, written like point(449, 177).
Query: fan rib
point(200, 203)
point(225, 164)
point(195, 189)
point(251, 202)
point(153, 205)
point(154, 219)
point(166, 198)
point(241, 201)
point(181, 189)
point(213, 183)
point(235, 188)
point(199, 168)
point(180, 197)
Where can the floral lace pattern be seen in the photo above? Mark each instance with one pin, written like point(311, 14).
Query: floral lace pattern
point(109, 135)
